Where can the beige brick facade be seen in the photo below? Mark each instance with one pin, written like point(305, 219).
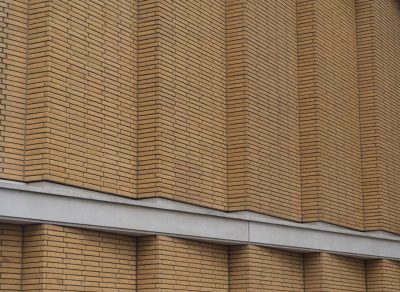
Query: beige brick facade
point(379, 73)
point(233, 105)
point(328, 273)
point(255, 268)
point(329, 122)
point(81, 95)
point(289, 109)
point(10, 257)
point(68, 259)
point(383, 276)
point(169, 264)
point(262, 108)
point(53, 258)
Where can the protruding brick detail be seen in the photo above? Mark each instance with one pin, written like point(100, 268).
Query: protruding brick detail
point(170, 264)
point(379, 74)
point(329, 115)
point(262, 108)
point(326, 272)
point(182, 140)
point(13, 46)
point(255, 268)
point(68, 259)
point(383, 276)
point(81, 103)
point(10, 257)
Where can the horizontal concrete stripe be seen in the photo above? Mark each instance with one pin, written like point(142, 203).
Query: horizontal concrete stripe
point(58, 204)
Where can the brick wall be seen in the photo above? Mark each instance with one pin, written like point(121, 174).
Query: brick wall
point(182, 141)
point(329, 118)
point(255, 268)
point(232, 105)
point(10, 257)
point(170, 264)
point(379, 71)
point(13, 34)
point(383, 276)
point(262, 108)
point(325, 273)
point(81, 112)
point(68, 259)
point(55, 258)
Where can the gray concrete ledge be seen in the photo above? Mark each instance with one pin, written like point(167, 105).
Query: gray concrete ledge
point(46, 202)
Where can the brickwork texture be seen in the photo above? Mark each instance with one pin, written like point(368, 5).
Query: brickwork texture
point(285, 108)
point(46, 257)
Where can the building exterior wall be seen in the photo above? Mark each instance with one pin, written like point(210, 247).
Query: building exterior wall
point(13, 61)
point(182, 102)
point(170, 264)
point(329, 116)
point(255, 268)
point(47, 257)
point(379, 89)
point(10, 257)
point(58, 258)
point(383, 275)
point(262, 108)
point(81, 95)
point(282, 114)
point(325, 272)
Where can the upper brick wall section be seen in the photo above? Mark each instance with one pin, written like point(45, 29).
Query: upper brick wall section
point(13, 59)
point(182, 139)
point(378, 27)
point(262, 108)
point(81, 103)
point(329, 116)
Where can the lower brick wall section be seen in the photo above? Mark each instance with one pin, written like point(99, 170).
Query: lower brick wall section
point(10, 257)
point(53, 258)
point(332, 273)
point(67, 259)
point(383, 276)
point(255, 268)
point(170, 264)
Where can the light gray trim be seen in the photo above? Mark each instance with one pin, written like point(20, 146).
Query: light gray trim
point(58, 204)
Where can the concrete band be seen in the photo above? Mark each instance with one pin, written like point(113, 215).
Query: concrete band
point(52, 203)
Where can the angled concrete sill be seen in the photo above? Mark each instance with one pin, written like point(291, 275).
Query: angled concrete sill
point(45, 202)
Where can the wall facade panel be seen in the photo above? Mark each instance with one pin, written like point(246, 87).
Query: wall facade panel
point(10, 257)
point(326, 272)
point(182, 132)
point(170, 264)
point(262, 108)
point(329, 113)
point(255, 268)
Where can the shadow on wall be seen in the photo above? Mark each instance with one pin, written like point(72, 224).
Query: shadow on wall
point(398, 4)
